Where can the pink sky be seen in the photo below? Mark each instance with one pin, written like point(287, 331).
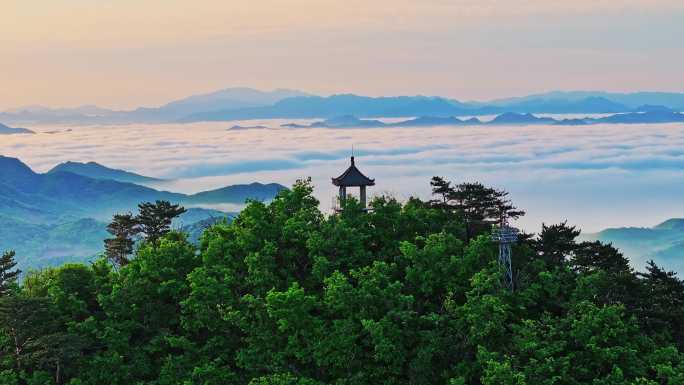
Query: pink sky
point(126, 53)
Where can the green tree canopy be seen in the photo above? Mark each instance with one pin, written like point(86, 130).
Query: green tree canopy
point(8, 272)
point(403, 294)
point(154, 219)
point(123, 228)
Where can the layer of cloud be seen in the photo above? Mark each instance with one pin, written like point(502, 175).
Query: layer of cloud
point(595, 176)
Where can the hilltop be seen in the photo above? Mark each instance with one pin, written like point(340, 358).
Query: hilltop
point(97, 171)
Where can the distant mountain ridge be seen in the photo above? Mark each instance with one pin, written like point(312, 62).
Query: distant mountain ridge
point(508, 118)
point(97, 171)
point(514, 118)
point(631, 100)
point(241, 192)
point(61, 216)
point(337, 105)
point(7, 130)
point(246, 103)
point(57, 196)
point(663, 243)
point(229, 98)
point(409, 106)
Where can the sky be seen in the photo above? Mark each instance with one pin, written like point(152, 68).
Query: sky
point(127, 53)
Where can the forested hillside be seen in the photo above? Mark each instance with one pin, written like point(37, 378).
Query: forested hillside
point(663, 243)
point(407, 293)
point(59, 196)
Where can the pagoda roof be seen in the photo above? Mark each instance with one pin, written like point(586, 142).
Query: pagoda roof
point(353, 177)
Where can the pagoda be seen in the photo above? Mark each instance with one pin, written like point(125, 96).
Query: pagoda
point(352, 177)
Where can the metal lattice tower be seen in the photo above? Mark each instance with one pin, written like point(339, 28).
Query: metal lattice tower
point(506, 235)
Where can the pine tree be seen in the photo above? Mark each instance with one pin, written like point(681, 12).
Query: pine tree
point(663, 302)
point(478, 206)
point(556, 243)
point(442, 188)
point(24, 320)
point(155, 219)
point(123, 228)
point(8, 273)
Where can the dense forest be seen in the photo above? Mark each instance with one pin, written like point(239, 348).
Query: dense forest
point(405, 293)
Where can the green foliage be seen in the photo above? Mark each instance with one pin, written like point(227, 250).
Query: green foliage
point(402, 294)
point(8, 272)
point(479, 206)
point(122, 228)
point(153, 220)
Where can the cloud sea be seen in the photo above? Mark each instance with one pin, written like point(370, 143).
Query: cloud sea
point(594, 176)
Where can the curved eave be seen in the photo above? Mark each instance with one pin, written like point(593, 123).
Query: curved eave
point(353, 178)
point(336, 182)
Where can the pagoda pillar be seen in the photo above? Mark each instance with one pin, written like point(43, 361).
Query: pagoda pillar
point(362, 196)
point(343, 194)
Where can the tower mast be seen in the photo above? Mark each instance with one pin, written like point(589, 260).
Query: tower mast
point(505, 235)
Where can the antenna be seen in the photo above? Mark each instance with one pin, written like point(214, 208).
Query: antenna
point(352, 149)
